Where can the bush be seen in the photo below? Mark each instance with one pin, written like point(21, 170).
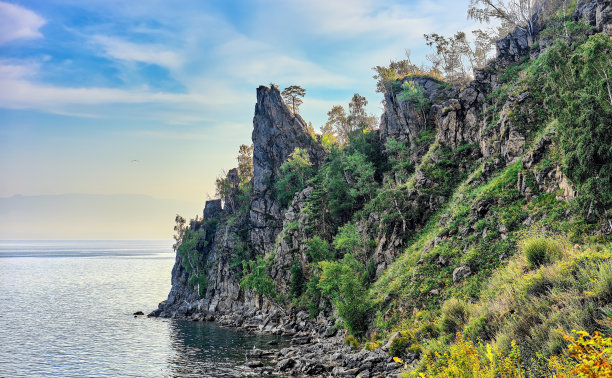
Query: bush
point(342, 282)
point(540, 250)
point(463, 359)
point(403, 345)
point(351, 341)
point(603, 285)
point(455, 315)
point(590, 356)
point(293, 176)
point(297, 280)
point(318, 249)
point(255, 276)
point(347, 239)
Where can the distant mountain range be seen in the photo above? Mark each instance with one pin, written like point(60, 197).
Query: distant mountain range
point(91, 216)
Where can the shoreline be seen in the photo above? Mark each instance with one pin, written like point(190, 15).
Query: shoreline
point(316, 348)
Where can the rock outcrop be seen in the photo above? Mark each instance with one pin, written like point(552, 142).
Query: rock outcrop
point(401, 120)
point(277, 132)
point(596, 13)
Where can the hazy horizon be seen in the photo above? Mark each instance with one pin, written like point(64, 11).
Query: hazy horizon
point(91, 217)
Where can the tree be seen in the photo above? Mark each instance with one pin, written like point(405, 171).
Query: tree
point(358, 118)
point(451, 55)
point(343, 283)
point(224, 189)
point(511, 13)
point(180, 228)
point(293, 97)
point(293, 176)
point(245, 163)
point(338, 121)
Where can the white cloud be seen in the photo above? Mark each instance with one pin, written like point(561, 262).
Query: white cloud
point(18, 23)
point(256, 62)
point(128, 51)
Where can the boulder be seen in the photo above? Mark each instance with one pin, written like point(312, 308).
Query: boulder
point(461, 272)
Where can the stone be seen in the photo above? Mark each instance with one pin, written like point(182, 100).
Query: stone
point(138, 313)
point(387, 345)
point(286, 364)
point(461, 272)
point(212, 208)
point(254, 364)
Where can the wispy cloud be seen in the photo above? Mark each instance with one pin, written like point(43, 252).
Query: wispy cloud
point(137, 52)
point(18, 23)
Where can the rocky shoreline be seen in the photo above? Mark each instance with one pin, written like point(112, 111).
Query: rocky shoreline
point(317, 346)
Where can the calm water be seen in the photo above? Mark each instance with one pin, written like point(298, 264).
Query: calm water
point(65, 310)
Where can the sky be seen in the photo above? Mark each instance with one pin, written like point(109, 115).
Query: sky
point(153, 98)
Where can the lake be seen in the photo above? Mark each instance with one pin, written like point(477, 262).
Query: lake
point(66, 310)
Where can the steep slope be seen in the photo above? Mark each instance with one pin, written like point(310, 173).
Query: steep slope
point(421, 229)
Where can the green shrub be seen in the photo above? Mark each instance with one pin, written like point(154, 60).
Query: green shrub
point(455, 314)
point(347, 239)
point(342, 282)
point(200, 282)
point(297, 280)
point(603, 285)
point(351, 341)
point(318, 249)
point(293, 176)
point(255, 276)
point(580, 96)
point(540, 250)
point(401, 346)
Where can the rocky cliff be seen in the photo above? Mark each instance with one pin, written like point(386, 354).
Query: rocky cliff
point(277, 132)
point(480, 167)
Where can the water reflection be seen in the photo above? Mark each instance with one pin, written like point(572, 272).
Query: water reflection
point(205, 349)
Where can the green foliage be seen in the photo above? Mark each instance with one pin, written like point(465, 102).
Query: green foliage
point(455, 315)
point(297, 280)
point(344, 184)
point(540, 251)
point(399, 159)
point(581, 98)
point(347, 240)
point(342, 282)
point(351, 341)
point(318, 249)
point(415, 95)
point(255, 276)
point(240, 254)
point(294, 173)
point(199, 281)
point(401, 346)
point(190, 250)
point(312, 296)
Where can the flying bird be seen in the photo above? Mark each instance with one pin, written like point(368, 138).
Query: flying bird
point(135, 161)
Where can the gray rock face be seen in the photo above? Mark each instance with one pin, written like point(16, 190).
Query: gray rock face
point(504, 138)
point(276, 134)
point(516, 44)
point(400, 119)
point(292, 242)
point(461, 272)
point(597, 13)
point(183, 297)
point(212, 208)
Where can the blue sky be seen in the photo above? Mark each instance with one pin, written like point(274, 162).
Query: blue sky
point(89, 86)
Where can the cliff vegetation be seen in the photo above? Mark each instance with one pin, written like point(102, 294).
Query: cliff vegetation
point(465, 234)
